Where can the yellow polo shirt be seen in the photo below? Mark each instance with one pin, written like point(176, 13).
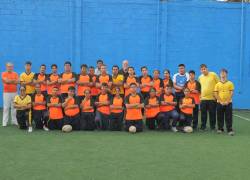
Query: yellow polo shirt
point(208, 83)
point(25, 101)
point(119, 78)
point(224, 90)
point(30, 89)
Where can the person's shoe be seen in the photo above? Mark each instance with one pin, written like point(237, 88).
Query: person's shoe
point(174, 129)
point(4, 125)
point(219, 131)
point(30, 129)
point(231, 133)
point(15, 124)
point(203, 129)
point(45, 128)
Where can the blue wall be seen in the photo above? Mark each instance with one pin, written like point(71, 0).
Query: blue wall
point(158, 34)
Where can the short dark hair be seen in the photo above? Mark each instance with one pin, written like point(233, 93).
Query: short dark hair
point(224, 70)
point(181, 65)
point(67, 62)
point(104, 84)
point(156, 70)
point(203, 66)
point(131, 67)
point(43, 65)
point(99, 61)
point(191, 72)
point(53, 65)
point(84, 65)
point(143, 67)
point(28, 63)
point(71, 88)
point(166, 70)
point(115, 66)
point(91, 67)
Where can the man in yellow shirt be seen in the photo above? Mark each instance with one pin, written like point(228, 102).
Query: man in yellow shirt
point(208, 80)
point(223, 92)
point(117, 81)
point(26, 79)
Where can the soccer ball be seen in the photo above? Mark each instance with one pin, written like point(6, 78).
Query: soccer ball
point(188, 129)
point(132, 129)
point(67, 128)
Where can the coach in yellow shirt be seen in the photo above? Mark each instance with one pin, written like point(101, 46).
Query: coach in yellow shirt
point(223, 92)
point(26, 79)
point(208, 80)
point(117, 80)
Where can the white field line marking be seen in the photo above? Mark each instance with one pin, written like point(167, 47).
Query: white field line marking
point(241, 117)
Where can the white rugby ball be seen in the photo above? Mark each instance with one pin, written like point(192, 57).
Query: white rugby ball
point(188, 129)
point(67, 128)
point(132, 129)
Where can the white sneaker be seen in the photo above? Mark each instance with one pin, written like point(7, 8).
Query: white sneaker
point(174, 129)
point(30, 129)
point(231, 133)
point(219, 131)
point(4, 125)
point(45, 128)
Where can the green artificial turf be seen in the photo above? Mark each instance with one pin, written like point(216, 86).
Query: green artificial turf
point(119, 155)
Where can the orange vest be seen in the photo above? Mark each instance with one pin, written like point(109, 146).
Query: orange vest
point(117, 102)
point(152, 111)
point(129, 80)
point(82, 88)
point(10, 88)
point(148, 79)
point(52, 77)
point(167, 98)
point(42, 77)
point(133, 113)
point(103, 109)
point(87, 103)
point(66, 76)
point(55, 113)
point(72, 111)
point(192, 86)
point(187, 101)
point(39, 99)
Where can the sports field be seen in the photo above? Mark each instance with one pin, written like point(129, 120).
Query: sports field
point(119, 155)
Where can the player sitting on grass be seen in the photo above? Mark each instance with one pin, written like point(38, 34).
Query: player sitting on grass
point(223, 92)
point(22, 103)
point(152, 109)
point(103, 107)
point(54, 103)
point(187, 104)
point(71, 110)
point(116, 108)
point(40, 114)
point(87, 120)
point(134, 104)
point(168, 110)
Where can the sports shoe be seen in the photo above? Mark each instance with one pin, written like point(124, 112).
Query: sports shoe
point(219, 131)
point(45, 128)
point(174, 129)
point(30, 129)
point(231, 133)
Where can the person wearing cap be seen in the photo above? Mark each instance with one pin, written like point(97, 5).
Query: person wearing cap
point(26, 79)
point(10, 81)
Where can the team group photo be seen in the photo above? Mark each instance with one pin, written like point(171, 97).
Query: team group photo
point(125, 90)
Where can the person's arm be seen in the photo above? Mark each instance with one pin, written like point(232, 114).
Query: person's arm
point(65, 103)
point(173, 103)
point(191, 105)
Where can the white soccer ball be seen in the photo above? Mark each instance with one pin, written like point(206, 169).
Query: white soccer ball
point(132, 129)
point(188, 129)
point(67, 128)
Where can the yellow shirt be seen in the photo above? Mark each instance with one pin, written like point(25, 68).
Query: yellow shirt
point(224, 90)
point(119, 78)
point(30, 89)
point(208, 83)
point(25, 101)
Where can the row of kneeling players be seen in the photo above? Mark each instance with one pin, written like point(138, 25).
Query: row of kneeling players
point(105, 112)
